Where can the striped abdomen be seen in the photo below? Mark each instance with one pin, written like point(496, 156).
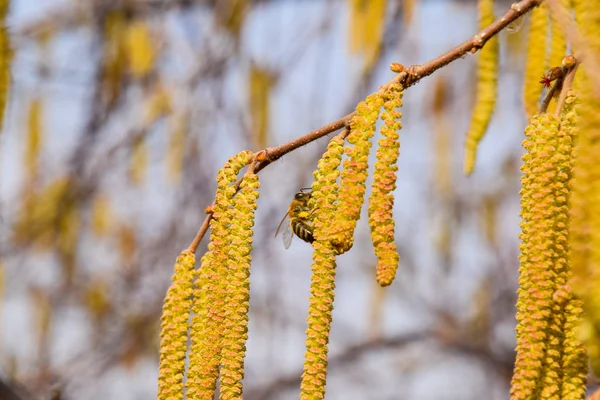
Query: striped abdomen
point(302, 230)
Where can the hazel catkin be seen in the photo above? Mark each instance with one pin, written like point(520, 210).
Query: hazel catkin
point(381, 201)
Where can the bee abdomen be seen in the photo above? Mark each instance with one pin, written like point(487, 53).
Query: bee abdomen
point(303, 231)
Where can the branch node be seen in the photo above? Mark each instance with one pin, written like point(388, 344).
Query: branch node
point(263, 155)
point(397, 67)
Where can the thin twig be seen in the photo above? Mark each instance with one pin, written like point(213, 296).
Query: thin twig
point(551, 93)
point(566, 87)
point(201, 232)
point(408, 77)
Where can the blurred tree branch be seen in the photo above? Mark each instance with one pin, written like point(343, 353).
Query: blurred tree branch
point(395, 343)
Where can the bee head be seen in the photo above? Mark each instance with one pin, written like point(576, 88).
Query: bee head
point(301, 196)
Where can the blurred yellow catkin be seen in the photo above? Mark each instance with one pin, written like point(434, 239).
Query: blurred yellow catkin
point(6, 55)
point(487, 82)
point(34, 139)
point(537, 60)
point(367, 22)
point(140, 49)
point(443, 139)
point(408, 10)
point(260, 84)
point(42, 312)
point(558, 42)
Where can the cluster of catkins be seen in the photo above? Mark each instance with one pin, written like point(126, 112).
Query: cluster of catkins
point(551, 361)
point(558, 308)
point(215, 297)
point(217, 294)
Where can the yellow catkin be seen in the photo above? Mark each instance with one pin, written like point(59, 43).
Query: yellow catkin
point(381, 201)
point(33, 146)
point(574, 358)
point(238, 289)
point(323, 200)
point(6, 55)
point(354, 175)
point(550, 360)
point(211, 288)
point(554, 377)
point(140, 49)
point(324, 190)
point(319, 321)
point(537, 273)
point(585, 223)
point(174, 329)
point(487, 81)
point(536, 63)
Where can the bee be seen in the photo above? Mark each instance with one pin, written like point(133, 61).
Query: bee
point(297, 220)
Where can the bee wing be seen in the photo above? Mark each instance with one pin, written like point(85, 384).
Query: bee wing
point(285, 227)
point(287, 235)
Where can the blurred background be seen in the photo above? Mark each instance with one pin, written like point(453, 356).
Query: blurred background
point(121, 112)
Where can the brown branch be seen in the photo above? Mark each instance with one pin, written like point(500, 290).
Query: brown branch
point(407, 77)
point(271, 154)
point(472, 45)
